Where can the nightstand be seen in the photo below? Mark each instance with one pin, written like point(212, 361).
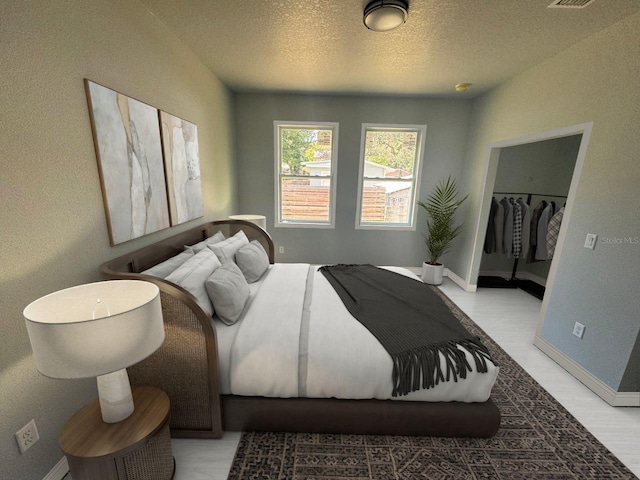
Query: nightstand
point(137, 448)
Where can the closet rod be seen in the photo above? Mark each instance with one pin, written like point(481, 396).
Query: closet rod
point(527, 193)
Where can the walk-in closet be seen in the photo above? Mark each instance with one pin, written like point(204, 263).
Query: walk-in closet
point(529, 195)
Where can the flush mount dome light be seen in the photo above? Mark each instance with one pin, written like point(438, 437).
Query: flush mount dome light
point(385, 15)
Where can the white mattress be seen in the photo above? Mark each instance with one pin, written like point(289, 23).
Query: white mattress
point(284, 347)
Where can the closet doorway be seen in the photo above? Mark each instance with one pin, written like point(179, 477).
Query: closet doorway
point(528, 170)
point(532, 181)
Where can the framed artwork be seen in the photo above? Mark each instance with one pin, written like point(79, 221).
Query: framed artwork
point(128, 147)
point(182, 168)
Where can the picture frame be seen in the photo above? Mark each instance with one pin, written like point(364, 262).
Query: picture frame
point(182, 168)
point(128, 147)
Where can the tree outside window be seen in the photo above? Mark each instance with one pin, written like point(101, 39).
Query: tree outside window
point(389, 169)
point(306, 164)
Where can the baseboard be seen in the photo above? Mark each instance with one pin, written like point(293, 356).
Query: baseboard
point(627, 399)
point(604, 391)
point(521, 275)
point(461, 282)
point(59, 471)
point(448, 273)
point(534, 278)
point(495, 273)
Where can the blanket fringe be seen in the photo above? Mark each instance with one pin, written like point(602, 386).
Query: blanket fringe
point(422, 367)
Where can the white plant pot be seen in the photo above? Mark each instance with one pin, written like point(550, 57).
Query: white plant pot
point(432, 274)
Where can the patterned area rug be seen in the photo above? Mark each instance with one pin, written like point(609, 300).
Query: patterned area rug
point(538, 439)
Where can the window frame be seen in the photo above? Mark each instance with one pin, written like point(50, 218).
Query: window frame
point(421, 130)
point(333, 178)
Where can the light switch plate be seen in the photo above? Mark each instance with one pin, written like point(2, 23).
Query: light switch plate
point(590, 241)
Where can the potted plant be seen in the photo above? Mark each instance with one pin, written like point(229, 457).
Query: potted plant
point(440, 207)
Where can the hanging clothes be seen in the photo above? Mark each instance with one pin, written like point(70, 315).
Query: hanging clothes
point(526, 227)
point(490, 238)
point(553, 229)
point(543, 223)
point(507, 235)
point(520, 231)
point(516, 245)
point(499, 225)
point(533, 231)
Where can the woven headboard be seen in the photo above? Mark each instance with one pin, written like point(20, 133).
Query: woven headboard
point(147, 257)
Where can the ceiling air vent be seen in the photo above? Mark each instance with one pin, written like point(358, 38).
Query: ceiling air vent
point(570, 3)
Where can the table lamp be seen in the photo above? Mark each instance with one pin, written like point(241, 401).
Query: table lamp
point(97, 330)
point(259, 220)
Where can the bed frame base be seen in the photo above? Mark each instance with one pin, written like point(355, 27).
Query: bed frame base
point(374, 417)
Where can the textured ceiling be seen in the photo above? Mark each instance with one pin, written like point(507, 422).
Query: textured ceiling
point(322, 45)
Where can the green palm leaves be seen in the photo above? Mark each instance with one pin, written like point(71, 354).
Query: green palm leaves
point(441, 207)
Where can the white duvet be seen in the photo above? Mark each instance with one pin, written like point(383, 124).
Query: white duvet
point(288, 344)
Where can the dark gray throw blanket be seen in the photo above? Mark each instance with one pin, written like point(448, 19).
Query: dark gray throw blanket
point(411, 322)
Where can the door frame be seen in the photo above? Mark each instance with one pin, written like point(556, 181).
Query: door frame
point(488, 181)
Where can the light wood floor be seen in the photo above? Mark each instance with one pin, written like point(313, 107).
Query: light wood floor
point(510, 318)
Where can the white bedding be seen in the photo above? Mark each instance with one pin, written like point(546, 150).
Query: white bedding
point(284, 347)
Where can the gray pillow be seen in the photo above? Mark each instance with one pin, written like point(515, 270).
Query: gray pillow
point(217, 237)
point(252, 260)
point(227, 249)
point(192, 274)
point(229, 291)
point(165, 268)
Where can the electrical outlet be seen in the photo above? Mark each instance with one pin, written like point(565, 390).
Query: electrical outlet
point(27, 436)
point(281, 250)
point(578, 330)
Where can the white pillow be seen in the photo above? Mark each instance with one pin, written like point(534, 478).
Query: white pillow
point(252, 260)
point(227, 249)
point(165, 268)
point(192, 274)
point(217, 237)
point(229, 291)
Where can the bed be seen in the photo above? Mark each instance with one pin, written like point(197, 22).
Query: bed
point(250, 375)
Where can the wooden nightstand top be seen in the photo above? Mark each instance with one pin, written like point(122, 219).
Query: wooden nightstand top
point(85, 435)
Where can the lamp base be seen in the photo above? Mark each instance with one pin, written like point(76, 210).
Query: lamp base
point(114, 392)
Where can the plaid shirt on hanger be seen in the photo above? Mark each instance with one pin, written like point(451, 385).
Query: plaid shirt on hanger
point(517, 229)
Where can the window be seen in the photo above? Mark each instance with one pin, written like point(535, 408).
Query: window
point(390, 158)
point(306, 162)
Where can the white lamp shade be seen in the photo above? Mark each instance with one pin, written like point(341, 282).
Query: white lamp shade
point(94, 329)
point(259, 220)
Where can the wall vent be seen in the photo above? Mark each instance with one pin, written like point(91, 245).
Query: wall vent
point(570, 3)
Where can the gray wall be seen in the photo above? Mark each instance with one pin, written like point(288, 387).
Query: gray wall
point(589, 82)
point(52, 223)
point(447, 123)
point(538, 167)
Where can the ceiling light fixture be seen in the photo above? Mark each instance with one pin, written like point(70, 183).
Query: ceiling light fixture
point(385, 15)
point(462, 87)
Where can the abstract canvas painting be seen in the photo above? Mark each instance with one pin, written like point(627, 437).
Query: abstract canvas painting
point(182, 167)
point(129, 151)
